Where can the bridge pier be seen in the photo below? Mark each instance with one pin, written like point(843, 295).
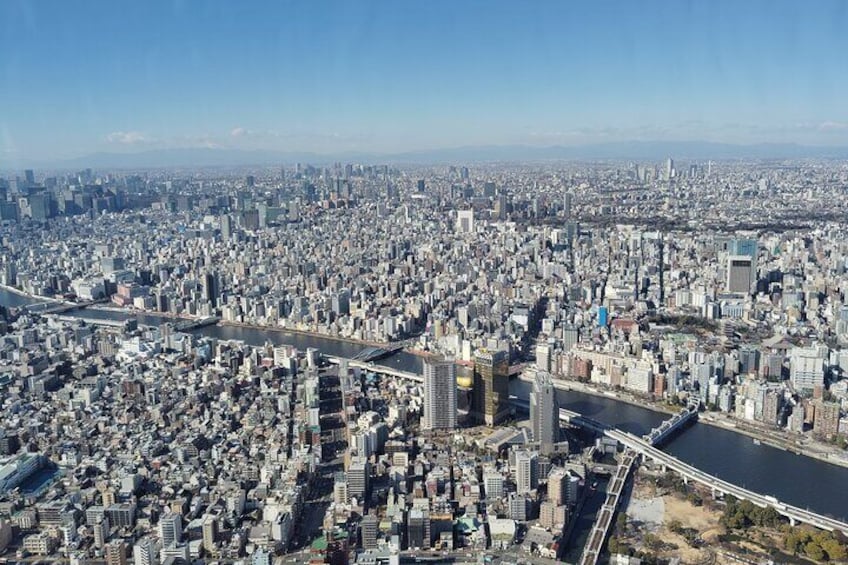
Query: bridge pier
point(791, 521)
point(685, 480)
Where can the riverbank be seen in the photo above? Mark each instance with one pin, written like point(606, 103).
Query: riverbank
point(137, 312)
point(819, 451)
point(245, 325)
point(307, 333)
point(24, 294)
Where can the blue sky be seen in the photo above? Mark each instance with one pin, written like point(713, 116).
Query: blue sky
point(81, 77)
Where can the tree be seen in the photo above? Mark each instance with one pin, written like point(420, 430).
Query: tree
point(814, 550)
point(613, 545)
point(835, 550)
point(675, 526)
point(653, 542)
point(621, 522)
point(695, 498)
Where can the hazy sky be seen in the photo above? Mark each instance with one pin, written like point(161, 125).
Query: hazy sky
point(80, 77)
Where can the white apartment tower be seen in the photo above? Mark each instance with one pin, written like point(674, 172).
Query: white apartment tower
point(439, 395)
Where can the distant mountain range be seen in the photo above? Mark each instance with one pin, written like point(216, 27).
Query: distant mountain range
point(627, 150)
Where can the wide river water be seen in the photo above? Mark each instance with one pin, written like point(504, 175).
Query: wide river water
point(794, 479)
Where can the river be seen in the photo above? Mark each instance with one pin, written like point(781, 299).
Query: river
point(15, 300)
point(794, 479)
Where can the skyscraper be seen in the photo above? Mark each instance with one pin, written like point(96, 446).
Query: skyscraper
point(439, 395)
point(747, 247)
point(544, 411)
point(211, 288)
point(226, 227)
point(740, 273)
point(491, 387)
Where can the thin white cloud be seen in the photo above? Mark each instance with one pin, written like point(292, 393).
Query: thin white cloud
point(833, 126)
point(127, 137)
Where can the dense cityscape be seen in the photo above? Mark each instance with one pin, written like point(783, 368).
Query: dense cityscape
point(449, 313)
point(423, 283)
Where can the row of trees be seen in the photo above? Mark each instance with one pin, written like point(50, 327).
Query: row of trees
point(815, 544)
point(740, 514)
point(819, 545)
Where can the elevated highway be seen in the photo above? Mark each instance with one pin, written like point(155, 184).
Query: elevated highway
point(595, 544)
point(717, 485)
point(378, 369)
point(646, 447)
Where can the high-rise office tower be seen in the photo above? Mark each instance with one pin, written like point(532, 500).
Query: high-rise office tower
point(30, 177)
point(501, 205)
point(544, 411)
point(226, 227)
point(170, 529)
point(543, 357)
point(421, 185)
point(358, 478)
point(210, 534)
point(493, 484)
point(144, 552)
point(116, 553)
point(526, 471)
point(556, 485)
point(418, 529)
point(340, 303)
point(211, 288)
point(566, 205)
point(669, 168)
point(661, 268)
point(740, 273)
point(747, 247)
point(439, 395)
point(491, 387)
point(369, 529)
point(465, 221)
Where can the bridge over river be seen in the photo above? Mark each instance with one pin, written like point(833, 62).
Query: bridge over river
point(646, 447)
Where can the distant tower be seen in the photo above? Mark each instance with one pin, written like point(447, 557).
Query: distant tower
point(226, 227)
point(566, 205)
point(544, 411)
point(661, 268)
point(669, 168)
point(439, 395)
